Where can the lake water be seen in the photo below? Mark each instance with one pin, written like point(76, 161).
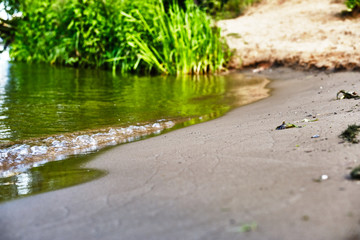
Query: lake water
point(51, 113)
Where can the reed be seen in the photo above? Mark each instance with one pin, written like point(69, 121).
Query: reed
point(177, 41)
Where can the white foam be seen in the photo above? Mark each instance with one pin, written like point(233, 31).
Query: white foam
point(20, 157)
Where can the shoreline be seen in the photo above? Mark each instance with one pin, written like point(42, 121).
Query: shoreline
point(207, 181)
point(18, 156)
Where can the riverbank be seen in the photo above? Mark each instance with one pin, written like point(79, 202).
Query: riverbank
point(304, 33)
point(214, 180)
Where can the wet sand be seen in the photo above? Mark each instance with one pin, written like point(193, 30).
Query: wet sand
point(209, 180)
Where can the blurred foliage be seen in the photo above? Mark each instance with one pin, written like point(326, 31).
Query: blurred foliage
point(8, 25)
point(10, 6)
point(130, 36)
point(353, 4)
point(225, 8)
point(72, 32)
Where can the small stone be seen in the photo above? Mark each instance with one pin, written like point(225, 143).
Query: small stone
point(324, 177)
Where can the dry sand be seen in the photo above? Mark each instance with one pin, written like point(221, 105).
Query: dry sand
point(308, 33)
point(209, 180)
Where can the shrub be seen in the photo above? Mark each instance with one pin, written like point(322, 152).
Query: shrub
point(71, 32)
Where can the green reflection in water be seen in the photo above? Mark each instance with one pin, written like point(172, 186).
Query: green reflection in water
point(38, 101)
point(50, 176)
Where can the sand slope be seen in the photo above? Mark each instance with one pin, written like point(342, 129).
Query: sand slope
point(301, 32)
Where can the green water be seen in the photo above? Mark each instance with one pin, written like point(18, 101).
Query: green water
point(43, 106)
point(38, 100)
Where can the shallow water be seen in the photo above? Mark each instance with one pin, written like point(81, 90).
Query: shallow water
point(51, 113)
point(50, 176)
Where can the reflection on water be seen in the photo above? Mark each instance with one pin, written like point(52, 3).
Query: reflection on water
point(51, 176)
point(38, 100)
point(49, 113)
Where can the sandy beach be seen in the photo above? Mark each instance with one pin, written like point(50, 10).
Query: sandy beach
point(305, 33)
point(211, 180)
point(234, 177)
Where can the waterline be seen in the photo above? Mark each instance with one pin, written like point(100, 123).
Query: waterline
point(49, 114)
point(31, 153)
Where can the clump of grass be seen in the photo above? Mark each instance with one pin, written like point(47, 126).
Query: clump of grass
point(355, 173)
point(351, 133)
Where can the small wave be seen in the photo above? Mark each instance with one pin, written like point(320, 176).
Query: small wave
point(19, 157)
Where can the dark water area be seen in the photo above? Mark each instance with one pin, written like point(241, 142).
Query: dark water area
point(55, 113)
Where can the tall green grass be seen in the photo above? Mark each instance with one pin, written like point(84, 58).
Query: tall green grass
point(123, 35)
point(182, 41)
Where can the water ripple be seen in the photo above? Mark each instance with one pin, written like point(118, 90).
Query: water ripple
point(19, 157)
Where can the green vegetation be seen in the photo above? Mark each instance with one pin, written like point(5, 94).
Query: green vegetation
point(225, 8)
point(350, 134)
point(130, 36)
point(355, 173)
point(353, 4)
point(7, 26)
point(10, 6)
point(249, 227)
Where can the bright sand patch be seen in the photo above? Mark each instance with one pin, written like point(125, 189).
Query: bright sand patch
point(295, 32)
